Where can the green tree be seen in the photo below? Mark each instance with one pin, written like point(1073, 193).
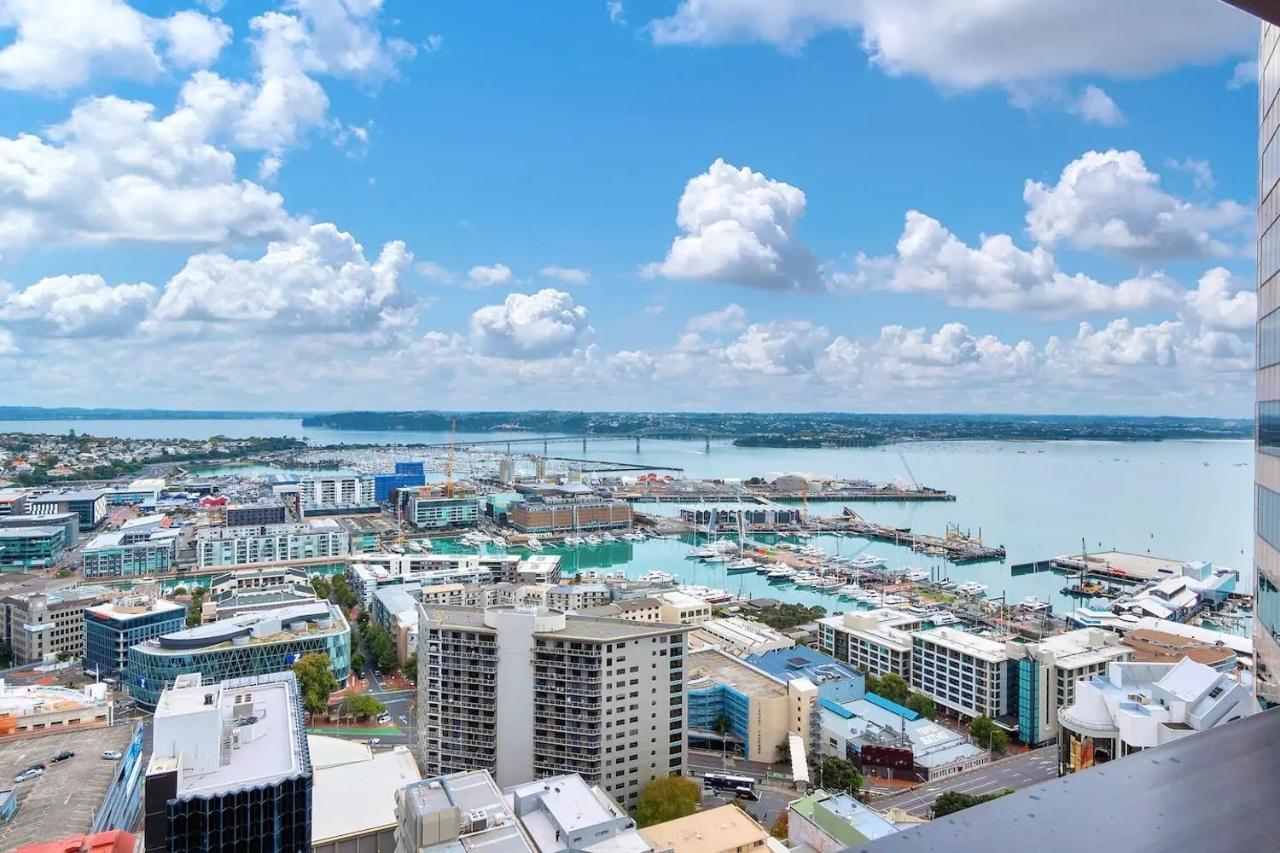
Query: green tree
point(362, 705)
point(722, 724)
point(357, 660)
point(667, 799)
point(954, 801)
point(378, 643)
point(781, 828)
point(342, 592)
point(179, 590)
point(872, 682)
point(315, 681)
point(987, 734)
point(321, 586)
point(193, 609)
point(410, 668)
point(894, 688)
point(840, 775)
point(922, 705)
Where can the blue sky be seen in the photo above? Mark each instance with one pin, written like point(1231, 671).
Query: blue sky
point(353, 203)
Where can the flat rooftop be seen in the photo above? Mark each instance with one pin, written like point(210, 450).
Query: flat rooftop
point(126, 608)
point(78, 495)
point(723, 668)
point(65, 799)
point(359, 796)
point(724, 828)
point(595, 628)
point(963, 641)
point(256, 627)
point(470, 790)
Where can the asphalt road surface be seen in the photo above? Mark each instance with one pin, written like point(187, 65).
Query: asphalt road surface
point(1016, 771)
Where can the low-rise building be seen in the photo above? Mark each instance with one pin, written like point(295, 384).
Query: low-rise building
point(563, 813)
point(68, 521)
point(257, 514)
point(247, 645)
point(13, 502)
point(429, 510)
point(457, 812)
point(325, 493)
point(968, 675)
point(127, 553)
point(725, 829)
point(551, 515)
point(369, 575)
point(353, 794)
point(682, 608)
point(317, 539)
point(1136, 706)
point(876, 641)
point(827, 823)
point(578, 596)
point(34, 708)
point(633, 609)
point(44, 626)
point(89, 504)
point(740, 636)
point(229, 761)
point(111, 628)
point(1148, 645)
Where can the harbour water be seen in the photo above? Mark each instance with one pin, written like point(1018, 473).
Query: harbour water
point(1176, 499)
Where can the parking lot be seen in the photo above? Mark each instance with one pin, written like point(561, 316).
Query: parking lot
point(64, 800)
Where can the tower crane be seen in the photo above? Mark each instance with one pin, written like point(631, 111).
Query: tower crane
point(448, 462)
point(915, 485)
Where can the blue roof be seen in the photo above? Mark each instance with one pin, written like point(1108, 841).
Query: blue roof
point(802, 661)
point(836, 707)
point(900, 710)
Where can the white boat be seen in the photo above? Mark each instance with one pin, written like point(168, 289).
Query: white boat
point(632, 537)
point(892, 600)
point(917, 575)
point(573, 541)
point(608, 537)
point(657, 577)
point(806, 579)
point(781, 573)
point(828, 584)
point(849, 591)
point(533, 543)
point(800, 534)
point(946, 583)
point(971, 588)
point(1031, 604)
point(867, 562)
point(744, 565)
point(592, 540)
point(942, 617)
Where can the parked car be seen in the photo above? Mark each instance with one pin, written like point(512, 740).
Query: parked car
point(62, 756)
point(29, 774)
point(36, 766)
point(384, 718)
point(112, 754)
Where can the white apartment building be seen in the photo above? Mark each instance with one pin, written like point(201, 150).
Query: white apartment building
point(530, 692)
point(1048, 672)
point(876, 641)
point(337, 490)
point(273, 543)
point(375, 572)
point(578, 596)
point(966, 674)
point(682, 608)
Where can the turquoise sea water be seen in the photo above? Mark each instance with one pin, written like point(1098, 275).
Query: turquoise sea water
point(1177, 499)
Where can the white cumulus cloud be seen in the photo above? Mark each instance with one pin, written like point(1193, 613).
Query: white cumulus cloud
point(534, 325)
point(778, 347)
point(1222, 303)
point(566, 275)
point(1095, 106)
point(740, 227)
point(79, 305)
point(490, 276)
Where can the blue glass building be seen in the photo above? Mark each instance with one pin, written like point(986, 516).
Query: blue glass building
point(110, 629)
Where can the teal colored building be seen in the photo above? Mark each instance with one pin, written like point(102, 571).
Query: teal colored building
point(251, 644)
point(31, 547)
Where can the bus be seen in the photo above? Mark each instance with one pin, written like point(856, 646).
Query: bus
point(742, 787)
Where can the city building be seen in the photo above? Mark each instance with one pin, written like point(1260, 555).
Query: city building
point(1147, 645)
point(739, 636)
point(368, 576)
point(353, 794)
point(429, 509)
point(1048, 672)
point(635, 609)
point(827, 823)
point(111, 841)
point(68, 521)
point(682, 608)
point(243, 646)
point(111, 628)
point(534, 568)
point(315, 540)
point(325, 493)
point(257, 514)
point(12, 502)
point(771, 515)
point(578, 596)
point(36, 708)
point(968, 675)
point(876, 641)
point(1136, 706)
point(553, 515)
point(89, 504)
point(130, 552)
point(460, 812)
point(230, 768)
point(44, 626)
point(757, 711)
point(247, 590)
point(1266, 467)
point(564, 813)
point(528, 692)
point(407, 475)
point(724, 829)
point(143, 492)
point(32, 547)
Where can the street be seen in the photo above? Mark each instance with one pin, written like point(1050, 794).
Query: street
point(1016, 771)
point(774, 794)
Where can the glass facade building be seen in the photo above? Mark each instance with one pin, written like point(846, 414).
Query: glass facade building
point(108, 556)
point(31, 547)
point(1267, 458)
point(111, 629)
point(252, 644)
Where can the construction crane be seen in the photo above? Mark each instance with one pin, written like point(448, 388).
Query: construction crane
point(915, 485)
point(448, 462)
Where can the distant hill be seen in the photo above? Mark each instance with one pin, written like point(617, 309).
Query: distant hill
point(39, 413)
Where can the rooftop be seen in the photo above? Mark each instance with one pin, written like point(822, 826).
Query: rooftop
point(21, 700)
point(724, 828)
point(844, 818)
point(1151, 646)
point(260, 626)
point(962, 641)
point(803, 662)
point(568, 804)
point(71, 495)
point(468, 791)
point(30, 532)
point(723, 668)
point(354, 792)
point(593, 628)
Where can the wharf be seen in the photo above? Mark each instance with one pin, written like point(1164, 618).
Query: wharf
point(955, 546)
point(1116, 564)
point(753, 496)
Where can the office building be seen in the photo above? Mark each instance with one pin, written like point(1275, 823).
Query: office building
point(250, 644)
point(1136, 706)
point(553, 515)
point(328, 492)
point(407, 475)
point(724, 829)
point(968, 675)
point(43, 626)
point(353, 794)
point(12, 502)
point(1266, 545)
point(682, 608)
point(459, 812)
point(143, 492)
point(111, 628)
point(68, 521)
point(31, 547)
point(578, 596)
point(125, 553)
point(432, 510)
point(230, 768)
point(89, 504)
point(1048, 672)
point(528, 692)
point(315, 540)
point(875, 641)
point(256, 514)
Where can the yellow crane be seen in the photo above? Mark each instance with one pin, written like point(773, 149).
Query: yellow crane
point(448, 462)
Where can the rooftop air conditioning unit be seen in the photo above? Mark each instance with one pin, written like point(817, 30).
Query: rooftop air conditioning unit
point(477, 819)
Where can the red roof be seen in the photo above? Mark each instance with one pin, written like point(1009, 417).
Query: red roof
point(111, 841)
